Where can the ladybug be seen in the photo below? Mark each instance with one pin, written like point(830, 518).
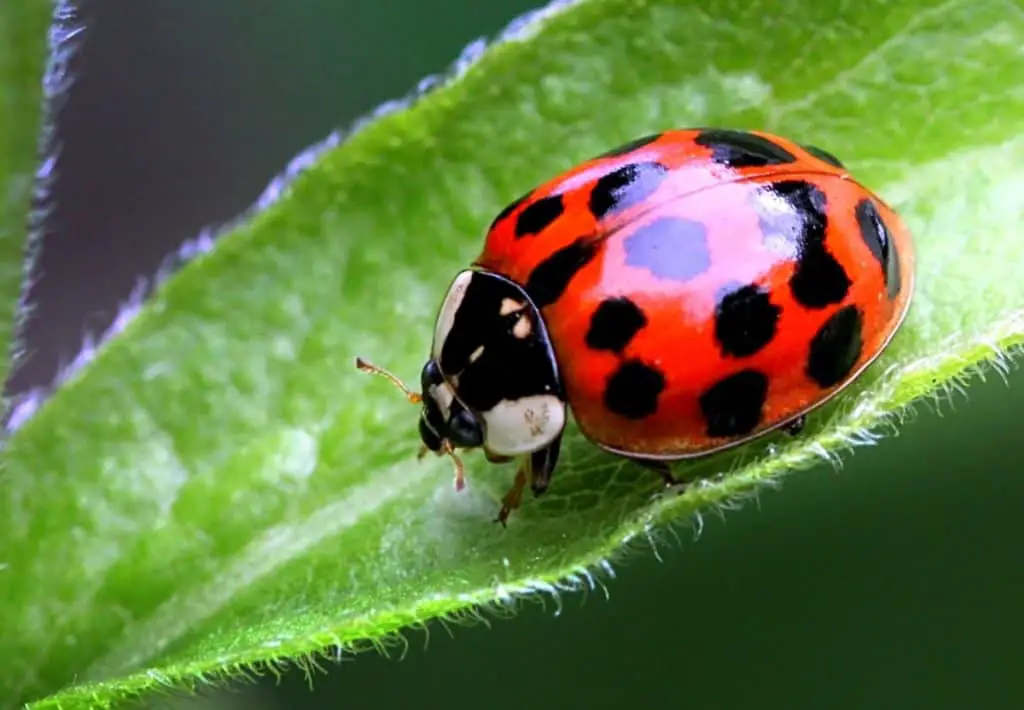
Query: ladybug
point(683, 294)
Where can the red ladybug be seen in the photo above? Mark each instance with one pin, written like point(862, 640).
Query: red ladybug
point(682, 294)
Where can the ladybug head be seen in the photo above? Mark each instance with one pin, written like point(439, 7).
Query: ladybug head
point(445, 418)
point(435, 423)
point(492, 379)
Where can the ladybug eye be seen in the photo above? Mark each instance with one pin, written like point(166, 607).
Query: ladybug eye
point(430, 376)
point(430, 438)
point(465, 430)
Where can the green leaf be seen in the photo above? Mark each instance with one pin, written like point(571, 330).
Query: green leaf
point(23, 34)
point(219, 488)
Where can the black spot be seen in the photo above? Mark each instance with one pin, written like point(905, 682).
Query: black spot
point(632, 145)
point(508, 209)
point(614, 323)
point(538, 215)
point(633, 390)
point(739, 149)
point(550, 278)
point(625, 187)
point(836, 347)
point(823, 155)
point(670, 248)
point(879, 240)
point(509, 367)
point(819, 280)
point(732, 406)
point(745, 320)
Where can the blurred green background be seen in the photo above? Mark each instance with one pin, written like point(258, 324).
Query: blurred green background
point(896, 583)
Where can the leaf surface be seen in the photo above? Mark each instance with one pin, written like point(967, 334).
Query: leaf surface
point(219, 487)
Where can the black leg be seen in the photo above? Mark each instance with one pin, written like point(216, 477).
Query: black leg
point(542, 464)
point(796, 426)
point(662, 468)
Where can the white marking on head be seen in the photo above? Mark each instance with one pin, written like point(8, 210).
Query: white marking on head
point(521, 426)
point(510, 305)
point(475, 355)
point(523, 327)
point(443, 396)
point(449, 307)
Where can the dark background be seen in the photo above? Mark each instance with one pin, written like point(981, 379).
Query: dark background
point(896, 583)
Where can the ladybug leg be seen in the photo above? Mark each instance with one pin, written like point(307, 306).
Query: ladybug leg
point(495, 458)
point(514, 498)
point(662, 468)
point(535, 470)
point(542, 463)
point(796, 426)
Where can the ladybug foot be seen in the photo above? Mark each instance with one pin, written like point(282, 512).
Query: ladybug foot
point(509, 503)
point(513, 499)
point(677, 488)
point(796, 426)
point(673, 485)
point(663, 469)
point(506, 510)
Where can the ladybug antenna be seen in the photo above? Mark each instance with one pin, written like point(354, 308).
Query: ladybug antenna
point(413, 397)
point(460, 472)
